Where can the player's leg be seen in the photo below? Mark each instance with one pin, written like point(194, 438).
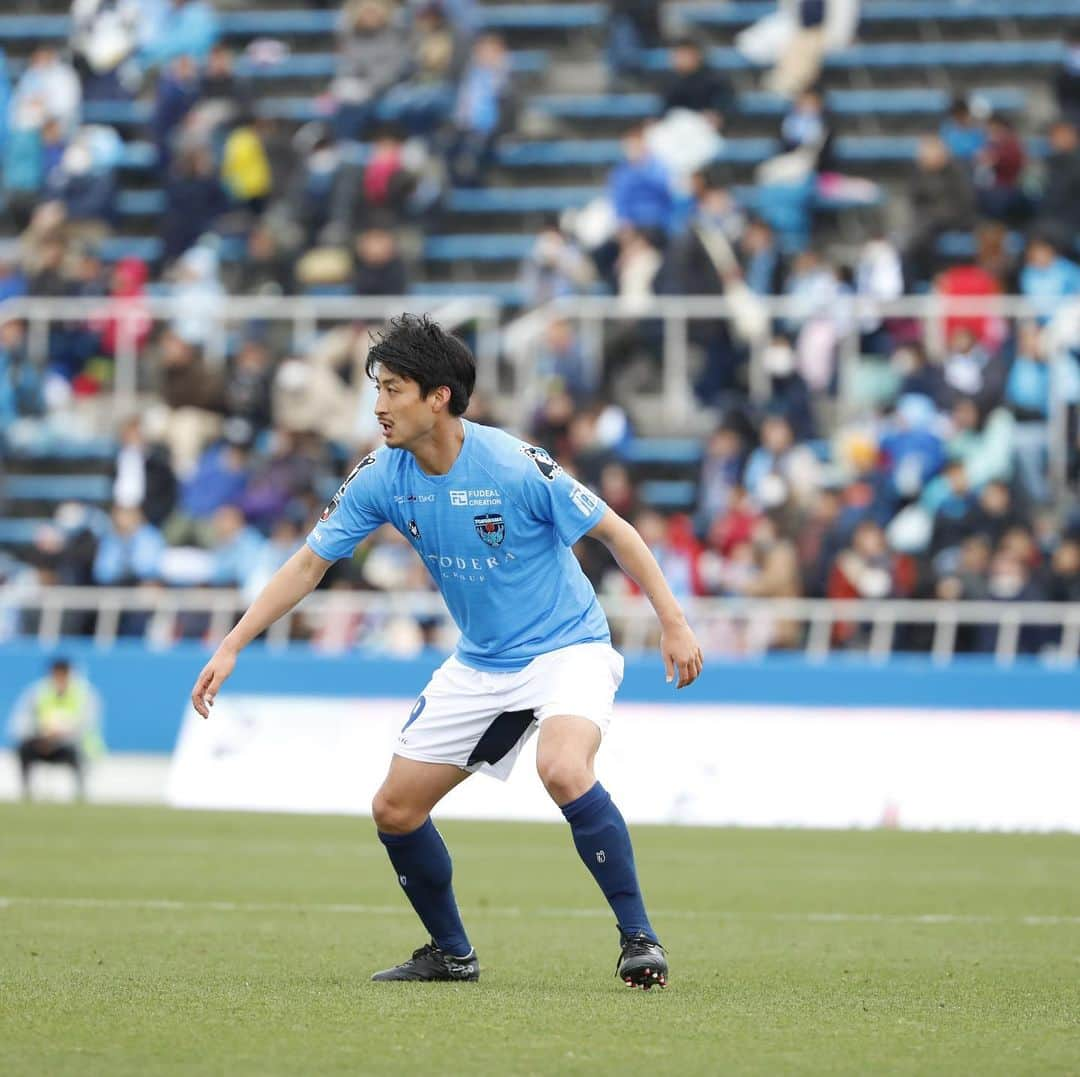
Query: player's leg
point(402, 814)
point(565, 753)
point(29, 754)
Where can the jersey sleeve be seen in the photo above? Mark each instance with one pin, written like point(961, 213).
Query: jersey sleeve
point(557, 498)
point(352, 514)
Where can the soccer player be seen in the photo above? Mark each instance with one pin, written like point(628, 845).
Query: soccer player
point(493, 520)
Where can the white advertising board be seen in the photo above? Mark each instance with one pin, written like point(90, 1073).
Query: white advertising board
point(666, 763)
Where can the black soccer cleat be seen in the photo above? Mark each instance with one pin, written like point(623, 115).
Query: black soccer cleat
point(642, 963)
point(429, 965)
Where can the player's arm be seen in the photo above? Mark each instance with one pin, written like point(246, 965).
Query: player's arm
point(299, 576)
point(678, 644)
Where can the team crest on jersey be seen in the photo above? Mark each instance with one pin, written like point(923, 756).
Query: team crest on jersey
point(331, 508)
point(414, 530)
point(544, 464)
point(490, 528)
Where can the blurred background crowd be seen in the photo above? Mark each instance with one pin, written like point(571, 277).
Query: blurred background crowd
point(835, 450)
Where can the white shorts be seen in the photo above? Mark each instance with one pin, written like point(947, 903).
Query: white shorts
point(479, 721)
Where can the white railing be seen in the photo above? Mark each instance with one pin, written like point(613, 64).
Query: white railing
point(304, 313)
point(522, 340)
point(725, 625)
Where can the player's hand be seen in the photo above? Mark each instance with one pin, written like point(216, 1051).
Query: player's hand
point(213, 676)
point(681, 653)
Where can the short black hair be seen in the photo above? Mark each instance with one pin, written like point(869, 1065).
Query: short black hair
point(60, 665)
point(417, 348)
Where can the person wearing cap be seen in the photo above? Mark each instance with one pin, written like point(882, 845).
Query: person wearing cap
point(56, 720)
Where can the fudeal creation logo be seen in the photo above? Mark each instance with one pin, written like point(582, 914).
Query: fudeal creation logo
point(491, 528)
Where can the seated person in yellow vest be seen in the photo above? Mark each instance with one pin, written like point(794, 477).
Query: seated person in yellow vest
point(56, 720)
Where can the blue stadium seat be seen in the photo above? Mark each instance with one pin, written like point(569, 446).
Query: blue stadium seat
point(893, 101)
point(898, 55)
point(34, 27)
point(565, 16)
point(140, 203)
point(736, 13)
point(20, 532)
point(608, 151)
point(113, 248)
point(628, 106)
point(672, 451)
point(519, 199)
point(484, 247)
point(669, 495)
point(509, 293)
point(56, 488)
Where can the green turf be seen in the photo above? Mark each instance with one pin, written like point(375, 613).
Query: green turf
point(792, 952)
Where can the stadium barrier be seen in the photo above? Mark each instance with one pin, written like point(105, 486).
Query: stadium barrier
point(774, 740)
point(726, 626)
point(306, 315)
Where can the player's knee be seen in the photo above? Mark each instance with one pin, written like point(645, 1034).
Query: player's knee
point(565, 778)
point(394, 816)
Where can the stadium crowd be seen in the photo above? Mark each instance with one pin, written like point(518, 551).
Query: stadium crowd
point(938, 488)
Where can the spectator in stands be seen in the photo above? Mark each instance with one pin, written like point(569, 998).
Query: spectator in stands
point(820, 317)
point(12, 280)
point(193, 395)
point(676, 550)
point(634, 25)
point(999, 171)
point(266, 268)
point(379, 268)
point(104, 36)
point(556, 266)
point(560, 362)
point(942, 200)
point(220, 478)
point(126, 322)
point(286, 537)
point(760, 258)
point(1063, 584)
point(985, 443)
point(805, 128)
point(248, 383)
point(177, 94)
point(879, 278)
point(721, 471)
point(779, 468)
point(482, 111)
point(310, 197)
point(48, 89)
point(236, 550)
point(789, 394)
point(198, 294)
point(438, 48)
point(1059, 208)
point(1028, 396)
point(56, 721)
point(179, 28)
point(86, 188)
point(636, 266)
point(693, 85)
point(640, 187)
point(800, 62)
point(373, 55)
point(142, 477)
point(1067, 82)
point(129, 552)
point(245, 165)
point(867, 569)
point(194, 200)
point(1047, 276)
point(970, 370)
point(22, 385)
point(976, 280)
point(962, 132)
point(220, 86)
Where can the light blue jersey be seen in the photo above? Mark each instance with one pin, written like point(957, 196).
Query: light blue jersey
point(494, 532)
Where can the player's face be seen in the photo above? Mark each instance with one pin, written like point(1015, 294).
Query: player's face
point(403, 414)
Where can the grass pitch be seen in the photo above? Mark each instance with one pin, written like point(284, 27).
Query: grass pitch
point(146, 942)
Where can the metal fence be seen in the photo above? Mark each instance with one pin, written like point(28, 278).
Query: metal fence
point(305, 315)
point(726, 626)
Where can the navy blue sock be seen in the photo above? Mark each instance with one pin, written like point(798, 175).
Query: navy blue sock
point(603, 843)
point(423, 868)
